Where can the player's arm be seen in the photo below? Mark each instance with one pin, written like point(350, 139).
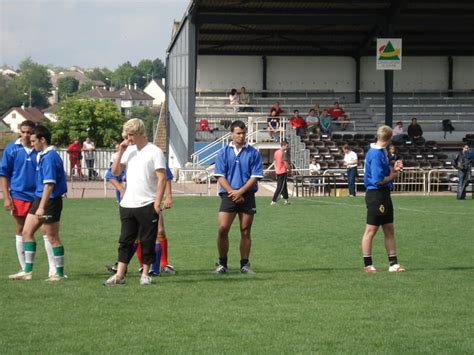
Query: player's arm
point(47, 189)
point(168, 194)
point(398, 166)
point(118, 167)
point(160, 188)
point(7, 201)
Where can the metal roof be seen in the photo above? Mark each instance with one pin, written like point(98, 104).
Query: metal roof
point(337, 27)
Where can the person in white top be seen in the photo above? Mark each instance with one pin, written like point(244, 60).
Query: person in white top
point(398, 133)
point(88, 147)
point(141, 204)
point(234, 100)
point(350, 160)
point(314, 167)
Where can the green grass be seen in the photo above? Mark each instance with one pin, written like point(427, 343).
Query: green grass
point(309, 293)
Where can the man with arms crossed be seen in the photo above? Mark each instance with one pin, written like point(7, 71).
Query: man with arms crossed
point(47, 205)
point(141, 204)
point(238, 169)
point(378, 180)
point(18, 181)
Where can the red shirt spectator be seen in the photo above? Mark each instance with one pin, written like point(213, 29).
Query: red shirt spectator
point(336, 111)
point(75, 157)
point(204, 125)
point(277, 108)
point(297, 121)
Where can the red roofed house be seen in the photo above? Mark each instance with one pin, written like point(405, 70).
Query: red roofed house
point(16, 115)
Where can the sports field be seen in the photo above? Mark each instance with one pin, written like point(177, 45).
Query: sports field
point(309, 293)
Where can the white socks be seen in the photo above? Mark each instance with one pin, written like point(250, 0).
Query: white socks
point(20, 251)
point(49, 252)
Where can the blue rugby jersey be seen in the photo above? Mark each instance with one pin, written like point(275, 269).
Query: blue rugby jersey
point(19, 166)
point(50, 170)
point(377, 167)
point(238, 169)
point(169, 174)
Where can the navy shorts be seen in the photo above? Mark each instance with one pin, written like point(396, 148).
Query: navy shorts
point(379, 207)
point(52, 210)
point(248, 206)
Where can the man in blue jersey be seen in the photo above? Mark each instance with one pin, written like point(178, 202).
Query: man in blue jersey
point(378, 181)
point(238, 168)
point(17, 179)
point(47, 205)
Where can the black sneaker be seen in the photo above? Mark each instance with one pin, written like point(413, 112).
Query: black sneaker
point(246, 269)
point(153, 274)
point(220, 269)
point(112, 268)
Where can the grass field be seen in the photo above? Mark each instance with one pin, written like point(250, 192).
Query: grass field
point(309, 293)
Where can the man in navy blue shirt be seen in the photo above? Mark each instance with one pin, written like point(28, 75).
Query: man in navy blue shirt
point(238, 169)
point(378, 181)
point(47, 205)
point(17, 179)
point(463, 163)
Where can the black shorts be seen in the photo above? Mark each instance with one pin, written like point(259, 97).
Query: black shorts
point(379, 207)
point(248, 206)
point(52, 210)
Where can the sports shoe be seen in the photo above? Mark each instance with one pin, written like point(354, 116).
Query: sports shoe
point(114, 281)
point(168, 269)
point(273, 203)
point(153, 274)
point(220, 269)
point(21, 275)
point(140, 270)
point(370, 269)
point(112, 268)
point(396, 268)
point(145, 280)
point(246, 269)
point(55, 278)
point(287, 202)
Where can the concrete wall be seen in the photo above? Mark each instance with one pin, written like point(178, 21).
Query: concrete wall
point(329, 73)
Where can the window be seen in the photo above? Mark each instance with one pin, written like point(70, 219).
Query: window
point(13, 115)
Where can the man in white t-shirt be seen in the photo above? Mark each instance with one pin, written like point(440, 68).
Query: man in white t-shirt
point(350, 160)
point(141, 203)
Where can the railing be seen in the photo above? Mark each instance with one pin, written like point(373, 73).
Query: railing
point(195, 157)
point(193, 182)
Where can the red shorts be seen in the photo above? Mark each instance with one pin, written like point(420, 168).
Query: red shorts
point(20, 208)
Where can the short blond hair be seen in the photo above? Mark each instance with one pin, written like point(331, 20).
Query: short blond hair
point(134, 126)
point(384, 133)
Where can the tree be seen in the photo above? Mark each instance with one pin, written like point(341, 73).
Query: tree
point(85, 87)
point(159, 69)
point(10, 94)
point(125, 74)
point(145, 68)
point(34, 77)
point(82, 118)
point(67, 86)
point(102, 74)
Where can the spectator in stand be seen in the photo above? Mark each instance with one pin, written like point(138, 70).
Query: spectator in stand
point(234, 100)
point(314, 167)
point(75, 157)
point(392, 154)
point(298, 123)
point(244, 99)
point(278, 109)
point(338, 114)
point(204, 126)
point(350, 161)
point(313, 122)
point(273, 125)
point(325, 123)
point(415, 132)
point(317, 110)
point(398, 134)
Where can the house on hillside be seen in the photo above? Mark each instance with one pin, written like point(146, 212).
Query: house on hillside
point(8, 72)
point(130, 97)
point(104, 95)
point(16, 115)
point(156, 89)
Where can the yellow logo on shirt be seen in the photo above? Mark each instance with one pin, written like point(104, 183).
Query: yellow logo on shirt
point(382, 208)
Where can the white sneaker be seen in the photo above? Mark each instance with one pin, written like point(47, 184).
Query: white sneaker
point(21, 275)
point(287, 202)
point(145, 280)
point(168, 269)
point(114, 281)
point(396, 268)
point(273, 203)
point(370, 269)
point(246, 269)
point(55, 278)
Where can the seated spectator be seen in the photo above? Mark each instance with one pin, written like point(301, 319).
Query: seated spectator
point(415, 132)
point(325, 123)
point(298, 123)
point(278, 109)
point(244, 98)
point(392, 154)
point(312, 120)
point(234, 100)
point(398, 134)
point(204, 126)
point(338, 114)
point(314, 167)
point(273, 125)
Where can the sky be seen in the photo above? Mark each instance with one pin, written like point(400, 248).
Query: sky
point(87, 33)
